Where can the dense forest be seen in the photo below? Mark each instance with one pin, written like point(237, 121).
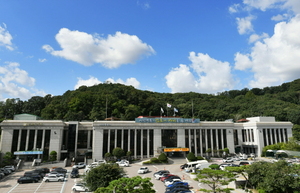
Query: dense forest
point(126, 103)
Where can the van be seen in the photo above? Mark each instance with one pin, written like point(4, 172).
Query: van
point(190, 166)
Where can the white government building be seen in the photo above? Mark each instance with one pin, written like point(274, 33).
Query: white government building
point(28, 137)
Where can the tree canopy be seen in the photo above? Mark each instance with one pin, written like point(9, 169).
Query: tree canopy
point(102, 175)
point(135, 184)
point(126, 103)
point(278, 177)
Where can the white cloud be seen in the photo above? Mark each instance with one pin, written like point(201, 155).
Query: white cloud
point(244, 24)
point(42, 60)
point(211, 75)
point(294, 5)
point(89, 82)
point(263, 5)
point(234, 8)
point(5, 38)
point(16, 83)
point(94, 81)
point(129, 81)
point(256, 37)
point(88, 49)
point(276, 59)
point(280, 17)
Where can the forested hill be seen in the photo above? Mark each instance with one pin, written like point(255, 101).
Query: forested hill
point(126, 102)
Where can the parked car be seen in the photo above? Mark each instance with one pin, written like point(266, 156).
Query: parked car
point(177, 190)
point(229, 159)
point(11, 167)
point(60, 170)
point(79, 187)
point(143, 170)
point(55, 173)
point(123, 163)
point(245, 163)
point(33, 174)
point(2, 175)
point(80, 165)
point(178, 186)
point(165, 176)
point(5, 171)
point(27, 179)
point(74, 173)
point(43, 170)
point(160, 173)
point(168, 182)
point(53, 178)
point(178, 183)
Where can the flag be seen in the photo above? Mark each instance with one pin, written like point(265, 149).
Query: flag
point(161, 109)
point(175, 110)
point(168, 105)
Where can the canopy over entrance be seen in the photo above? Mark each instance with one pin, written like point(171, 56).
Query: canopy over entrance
point(176, 149)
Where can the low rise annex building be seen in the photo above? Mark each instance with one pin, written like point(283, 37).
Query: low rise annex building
point(29, 137)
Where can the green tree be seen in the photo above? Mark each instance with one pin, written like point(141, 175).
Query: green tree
point(278, 177)
point(8, 158)
point(135, 184)
point(215, 179)
point(107, 156)
point(53, 156)
point(191, 156)
point(163, 158)
point(128, 155)
point(102, 175)
point(118, 152)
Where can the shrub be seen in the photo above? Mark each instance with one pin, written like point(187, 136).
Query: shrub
point(200, 158)
point(163, 158)
point(154, 160)
point(191, 156)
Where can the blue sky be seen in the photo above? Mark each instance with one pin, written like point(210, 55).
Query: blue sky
point(167, 46)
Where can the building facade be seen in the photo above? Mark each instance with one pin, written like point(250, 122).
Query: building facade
point(144, 138)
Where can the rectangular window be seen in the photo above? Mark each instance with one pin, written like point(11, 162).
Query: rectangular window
point(186, 136)
point(132, 142)
point(119, 137)
point(151, 143)
point(82, 139)
point(265, 137)
point(112, 140)
point(23, 140)
point(224, 138)
point(145, 142)
point(14, 145)
point(31, 139)
point(105, 141)
point(203, 140)
point(125, 141)
point(138, 142)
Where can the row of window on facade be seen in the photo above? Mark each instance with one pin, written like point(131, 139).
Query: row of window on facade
point(140, 142)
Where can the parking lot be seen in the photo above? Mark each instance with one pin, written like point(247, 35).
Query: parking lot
point(9, 184)
point(174, 168)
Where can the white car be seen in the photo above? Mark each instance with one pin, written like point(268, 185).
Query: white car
point(143, 170)
point(167, 183)
point(79, 188)
point(55, 174)
point(123, 163)
point(229, 159)
point(12, 168)
point(79, 165)
point(53, 178)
